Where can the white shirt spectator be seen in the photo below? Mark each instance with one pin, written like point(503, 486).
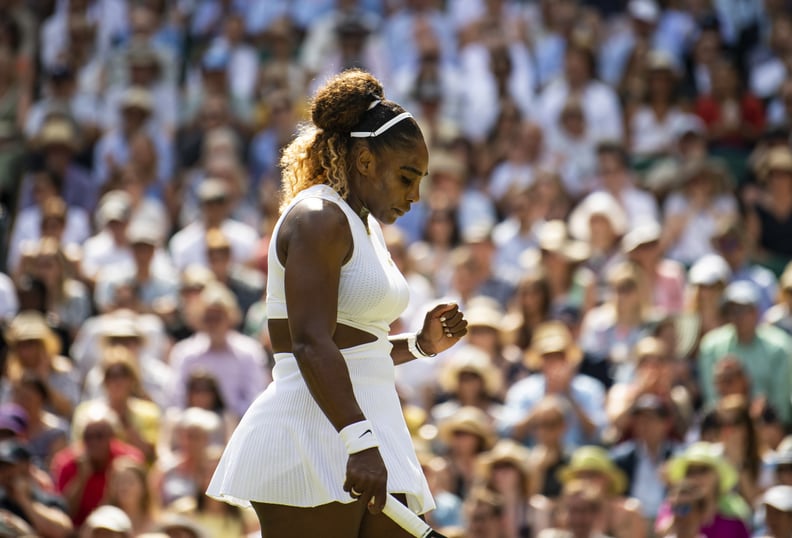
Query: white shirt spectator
point(651, 135)
point(600, 106)
point(695, 238)
point(27, 229)
point(481, 102)
point(187, 247)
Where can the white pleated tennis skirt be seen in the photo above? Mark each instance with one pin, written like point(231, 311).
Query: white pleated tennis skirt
point(285, 450)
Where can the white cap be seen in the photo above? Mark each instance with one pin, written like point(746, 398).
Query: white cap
point(741, 292)
point(709, 270)
point(779, 497)
point(143, 231)
point(644, 10)
point(645, 232)
point(110, 518)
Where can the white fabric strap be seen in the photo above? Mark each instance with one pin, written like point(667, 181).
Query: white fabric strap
point(384, 127)
point(358, 437)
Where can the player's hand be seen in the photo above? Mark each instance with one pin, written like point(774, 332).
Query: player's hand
point(367, 479)
point(443, 327)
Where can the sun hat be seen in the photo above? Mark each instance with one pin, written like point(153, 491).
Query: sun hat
point(110, 518)
point(212, 189)
point(775, 160)
point(137, 97)
point(470, 359)
point(551, 337)
point(57, 132)
point(703, 453)
point(594, 458)
point(505, 451)
point(644, 10)
point(649, 346)
point(553, 236)
point(483, 311)
point(114, 205)
point(598, 203)
point(471, 420)
point(31, 325)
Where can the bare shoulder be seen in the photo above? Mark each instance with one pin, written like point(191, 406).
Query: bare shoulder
point(317, 225)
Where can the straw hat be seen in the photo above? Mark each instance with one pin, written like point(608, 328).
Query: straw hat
point(649, 346)
point(31, 325)
point(470, 359)
point(601, 204)
point(138, 98)
point(703, 453)
point(551, 337)
point(505, 451)
point(483, 312)
point(57, 132)
point(471, 420)
point(594, 458)
point(709, 168)
point(775, 160)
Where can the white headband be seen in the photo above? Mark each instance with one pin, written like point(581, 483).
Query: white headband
point(384, 127)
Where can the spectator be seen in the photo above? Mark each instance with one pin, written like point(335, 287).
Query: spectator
point(504, 470)
point(580, 513)
point(734, 117)
point(707, 280)
point(466, 434)
point(654, 376)
point(664, 279)
point(554, 355)
point(483, 514)
point(530, 308)
point(66, 298)
point(189, 471)
point(614, 178)
point(129, 490)
point(688, 506)
point(611, 330)
point(45, 513)
point(548, 454)
point(600, 222)
point(35, 350)
point(732, 242)
point(185, 246)
point(109, 246)
point(82, 469)
point(246, 284)
point(642, 458)
point(58, 145)
point(770, 217)
point(139, 417)
point(124, 330)
point(702, 465)
point(763, 350)
point(469, 379)
point(46, 433)
point(622, 515)
point(693, 211)
point(50, 215)
point(234, 359)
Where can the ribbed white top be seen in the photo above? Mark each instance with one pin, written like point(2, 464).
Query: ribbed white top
point(371, 291)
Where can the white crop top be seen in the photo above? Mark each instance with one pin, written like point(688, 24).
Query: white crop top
point(372, 292)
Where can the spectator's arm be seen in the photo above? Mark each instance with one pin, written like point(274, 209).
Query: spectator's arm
point(46, 521)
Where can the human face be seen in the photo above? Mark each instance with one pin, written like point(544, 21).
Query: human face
point(128, 487)
point(483, 521)
point(581, 515)
point(779, 523)
point(703, 476)
point(390, 181)
point(96, 437)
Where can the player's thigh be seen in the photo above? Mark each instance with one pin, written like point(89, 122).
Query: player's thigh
point(333, 520)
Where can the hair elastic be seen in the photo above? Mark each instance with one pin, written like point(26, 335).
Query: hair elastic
point(384, 127)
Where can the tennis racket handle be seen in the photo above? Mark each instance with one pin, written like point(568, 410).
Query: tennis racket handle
point(406, 518)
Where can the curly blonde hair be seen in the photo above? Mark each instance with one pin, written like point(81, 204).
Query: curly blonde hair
point(320, 152)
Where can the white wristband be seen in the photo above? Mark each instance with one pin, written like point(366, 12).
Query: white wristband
point(358, 437)
point(412, 346)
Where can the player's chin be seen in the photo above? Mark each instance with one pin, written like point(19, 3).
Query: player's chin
point(389, 217)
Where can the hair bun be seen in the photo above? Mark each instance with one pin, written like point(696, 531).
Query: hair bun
point(340, 104)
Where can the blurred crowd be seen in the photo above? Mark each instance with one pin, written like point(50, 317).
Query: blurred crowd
point(609, 201)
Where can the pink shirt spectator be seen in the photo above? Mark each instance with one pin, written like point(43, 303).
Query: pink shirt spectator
point(239, 368)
